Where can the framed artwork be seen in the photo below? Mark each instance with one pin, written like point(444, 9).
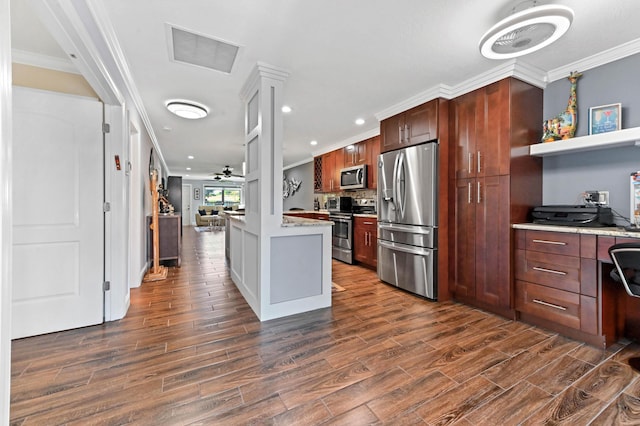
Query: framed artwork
point(605, 118)
point(196, 193)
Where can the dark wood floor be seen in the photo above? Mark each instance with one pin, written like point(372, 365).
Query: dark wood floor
point(191, 351)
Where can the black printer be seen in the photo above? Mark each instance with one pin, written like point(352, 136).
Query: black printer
point(568, 215)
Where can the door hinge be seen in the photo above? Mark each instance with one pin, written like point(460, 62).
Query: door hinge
point(106, 286)
point(106, 127)
point(106, 207)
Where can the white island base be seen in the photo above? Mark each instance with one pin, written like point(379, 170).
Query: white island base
point(285, 273)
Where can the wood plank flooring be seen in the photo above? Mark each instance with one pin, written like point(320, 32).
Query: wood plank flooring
point(191, 351)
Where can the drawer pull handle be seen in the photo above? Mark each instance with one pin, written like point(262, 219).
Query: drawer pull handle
point(551, 305)
point(551, 271)
point(558, 243)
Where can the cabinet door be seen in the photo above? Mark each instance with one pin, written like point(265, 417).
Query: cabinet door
point(360, 249)
point(372, 163)
point(421, 123)
point(361, 152)
point(390, 133)
point(464, 245)
point(464, 134)
point(493, 132)
point(328, 170)
point(492, 260)
point(349, 156)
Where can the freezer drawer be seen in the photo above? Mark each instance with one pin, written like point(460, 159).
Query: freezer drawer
point(408, 267)
point(421, 236)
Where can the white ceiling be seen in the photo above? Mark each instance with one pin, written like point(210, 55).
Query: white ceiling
point(346, 58)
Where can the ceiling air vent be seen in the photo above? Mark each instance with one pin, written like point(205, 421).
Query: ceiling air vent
point(202, 51)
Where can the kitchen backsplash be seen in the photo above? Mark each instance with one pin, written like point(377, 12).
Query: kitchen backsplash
point(365, 193)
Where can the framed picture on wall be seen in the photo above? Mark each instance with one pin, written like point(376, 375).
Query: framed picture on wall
point(196, 193)
point(605, 118)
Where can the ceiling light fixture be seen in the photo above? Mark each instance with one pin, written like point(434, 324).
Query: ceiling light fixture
point(526, 31)
point(190, 157)
point(314, 142)
point(187, 109)
point(286, 109)
point(359, 121)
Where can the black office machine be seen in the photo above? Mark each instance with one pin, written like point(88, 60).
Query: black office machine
point(568, 215)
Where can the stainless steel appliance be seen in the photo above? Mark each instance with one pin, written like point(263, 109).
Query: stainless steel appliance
point(408, 218)
point(340, 213)
point(342, 236)
point(339, 204)
point(354, 177)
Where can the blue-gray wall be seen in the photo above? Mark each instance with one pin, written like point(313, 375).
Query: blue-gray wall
point(303, 197)
point(566, 176)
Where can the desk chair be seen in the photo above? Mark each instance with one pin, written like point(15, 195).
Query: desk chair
point(626, 258)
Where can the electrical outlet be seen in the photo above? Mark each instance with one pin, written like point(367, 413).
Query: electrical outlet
point(603, 198)
point(596, 198)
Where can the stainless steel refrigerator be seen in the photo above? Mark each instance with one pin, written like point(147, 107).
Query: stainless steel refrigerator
point(408, 218)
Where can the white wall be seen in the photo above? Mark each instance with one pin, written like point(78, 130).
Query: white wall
point(5, 210)
point(303, 198)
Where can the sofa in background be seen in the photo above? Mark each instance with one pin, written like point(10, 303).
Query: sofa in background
point(212, 216)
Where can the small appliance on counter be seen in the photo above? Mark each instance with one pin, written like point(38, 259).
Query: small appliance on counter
point(570, 215)
point(339, 204)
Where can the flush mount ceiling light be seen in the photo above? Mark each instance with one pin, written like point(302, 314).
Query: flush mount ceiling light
point(526, 31)
point(187, 109)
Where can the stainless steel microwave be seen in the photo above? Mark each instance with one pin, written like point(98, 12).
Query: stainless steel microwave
point(354, 177)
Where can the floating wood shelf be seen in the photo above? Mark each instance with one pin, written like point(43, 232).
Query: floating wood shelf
point(620, 138)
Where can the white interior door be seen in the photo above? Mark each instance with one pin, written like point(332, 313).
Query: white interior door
point(186, 205)
point(58, 226)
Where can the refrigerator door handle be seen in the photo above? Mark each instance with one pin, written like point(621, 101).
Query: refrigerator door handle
point(398, 193)
point(405, 249)
point(407, 228)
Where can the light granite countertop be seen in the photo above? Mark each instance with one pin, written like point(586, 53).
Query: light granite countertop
point(611, 231)
point(303, 221)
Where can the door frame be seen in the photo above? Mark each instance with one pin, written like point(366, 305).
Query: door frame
point(186, 195)
point(6, 219)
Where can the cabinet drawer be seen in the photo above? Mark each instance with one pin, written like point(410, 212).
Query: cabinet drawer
point(562, 307)
point(557, 271)
point(553, 242)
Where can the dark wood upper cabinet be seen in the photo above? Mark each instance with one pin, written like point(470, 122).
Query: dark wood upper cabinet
point(414, 126)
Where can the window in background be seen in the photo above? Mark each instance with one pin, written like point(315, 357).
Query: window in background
point(219, 196)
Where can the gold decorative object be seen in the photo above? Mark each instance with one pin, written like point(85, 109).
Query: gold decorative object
point(563, 126)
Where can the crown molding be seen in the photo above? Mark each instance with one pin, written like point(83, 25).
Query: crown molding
point(298, 163)
point(108, 35)
point(610, 55)
point(43, 61)
point(351, 140)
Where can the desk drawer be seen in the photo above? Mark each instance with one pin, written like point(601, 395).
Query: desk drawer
point(552, 242)
point(557, 271)
point(562, 307)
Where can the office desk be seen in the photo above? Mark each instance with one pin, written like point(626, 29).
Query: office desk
point(562, 283)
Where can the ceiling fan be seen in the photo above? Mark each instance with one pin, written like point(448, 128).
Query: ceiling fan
point(227, 172)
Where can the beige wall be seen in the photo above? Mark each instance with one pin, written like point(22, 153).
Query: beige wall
point(47, 79)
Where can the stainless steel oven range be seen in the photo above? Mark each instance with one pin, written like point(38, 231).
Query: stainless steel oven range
point(342, 241)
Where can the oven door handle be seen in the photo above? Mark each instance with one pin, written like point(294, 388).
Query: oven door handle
point(340, 220)
point(405, 249)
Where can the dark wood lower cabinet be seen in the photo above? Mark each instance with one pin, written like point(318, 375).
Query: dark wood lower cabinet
point(557, 285)
point(170, 238)
point(365, 243)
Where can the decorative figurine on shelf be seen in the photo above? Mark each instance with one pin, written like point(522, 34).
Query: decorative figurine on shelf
point(563, 126)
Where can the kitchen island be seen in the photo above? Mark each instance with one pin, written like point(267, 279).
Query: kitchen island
point(290, 274)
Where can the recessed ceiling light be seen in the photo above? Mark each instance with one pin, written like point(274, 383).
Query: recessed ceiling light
point(286, 109)
point(188, 168)
point(526, 31)
point(314, 142)
point(187, 109)
point(359, 121)
point(190, 157)
point(350, 147)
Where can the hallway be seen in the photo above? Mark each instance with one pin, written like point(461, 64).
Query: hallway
point(191, 351)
